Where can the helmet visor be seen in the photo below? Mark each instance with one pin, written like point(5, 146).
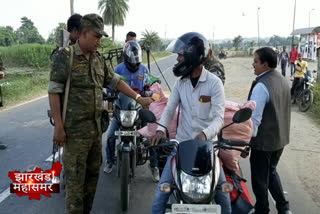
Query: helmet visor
point(133, 53)
point(176, 46)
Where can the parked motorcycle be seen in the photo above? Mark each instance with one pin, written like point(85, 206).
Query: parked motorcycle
point(196, 168)
point(305, 96)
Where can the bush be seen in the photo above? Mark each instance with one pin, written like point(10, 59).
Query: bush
point(21, 86)
point(315, 109)
point(32, 55)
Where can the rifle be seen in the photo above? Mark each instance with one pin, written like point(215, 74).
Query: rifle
point(1, 97)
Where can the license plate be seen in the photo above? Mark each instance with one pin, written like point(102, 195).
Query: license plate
point(127, 133)
point(196, 208)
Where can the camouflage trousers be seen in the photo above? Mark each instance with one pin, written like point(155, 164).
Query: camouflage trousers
point(82, 160)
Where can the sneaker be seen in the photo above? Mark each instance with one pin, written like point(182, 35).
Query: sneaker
point(251, 211)
point(2, 146)
point(107, 167)
point(155, 173)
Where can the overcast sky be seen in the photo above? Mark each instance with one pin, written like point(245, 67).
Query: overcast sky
point(172, 18)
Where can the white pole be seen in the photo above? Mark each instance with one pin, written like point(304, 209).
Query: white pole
point(71, 7)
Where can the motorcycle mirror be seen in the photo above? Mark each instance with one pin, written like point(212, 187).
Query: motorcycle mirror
point(147, 116)
point(242, 115)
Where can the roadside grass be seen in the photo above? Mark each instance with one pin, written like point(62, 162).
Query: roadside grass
point(157, 55)
point(22, 86)
point(30, 83)
point(315, 108)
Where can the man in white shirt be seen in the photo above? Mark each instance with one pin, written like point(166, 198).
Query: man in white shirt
point(201, 97)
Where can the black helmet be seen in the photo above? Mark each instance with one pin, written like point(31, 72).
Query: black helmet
point(132, 55)
point(195, 49)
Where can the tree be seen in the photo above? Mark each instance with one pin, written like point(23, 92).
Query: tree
point(28, 33)
point(7, 36)
point(55, 35)
point(237, 41)
point(113, 12)
point(252, 43)
point(150, 39)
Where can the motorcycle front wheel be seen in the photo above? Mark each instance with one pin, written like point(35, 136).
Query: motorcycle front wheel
point(124, 176)
point(305, 100)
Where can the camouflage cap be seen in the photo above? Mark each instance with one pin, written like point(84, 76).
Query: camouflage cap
point(93, 22)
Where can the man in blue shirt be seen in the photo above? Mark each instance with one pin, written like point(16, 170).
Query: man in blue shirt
point(271, 123)
point(136, 75)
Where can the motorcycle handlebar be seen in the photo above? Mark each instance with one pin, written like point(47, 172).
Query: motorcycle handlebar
point(164, 142)
point(235, 143)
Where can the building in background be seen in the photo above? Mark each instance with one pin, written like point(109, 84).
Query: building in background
point(309, 42)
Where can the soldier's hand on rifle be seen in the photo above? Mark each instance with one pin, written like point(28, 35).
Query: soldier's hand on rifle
point(59, 136)
point(145, 101)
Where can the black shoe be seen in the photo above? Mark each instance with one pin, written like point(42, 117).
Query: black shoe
point(2, 146)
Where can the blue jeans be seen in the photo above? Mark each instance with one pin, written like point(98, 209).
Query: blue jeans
point(161, 198)
point(110, 145)
point(153, 157)
point(283, 68)
point(292, 68)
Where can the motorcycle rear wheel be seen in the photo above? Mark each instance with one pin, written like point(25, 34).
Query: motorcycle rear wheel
point(124, 176)
point(305, 100)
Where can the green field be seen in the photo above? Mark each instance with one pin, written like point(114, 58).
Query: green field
point(27, 71)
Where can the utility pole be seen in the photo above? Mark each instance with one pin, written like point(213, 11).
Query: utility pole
point(71, 7)
point(212, 45)
point(165, 33)
point(258, 26)
point(294, 19)
point(310, 15)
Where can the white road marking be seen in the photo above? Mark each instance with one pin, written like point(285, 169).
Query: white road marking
point(21, 104)
point(4, 194)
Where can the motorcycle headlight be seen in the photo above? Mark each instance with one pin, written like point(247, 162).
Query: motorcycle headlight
point(127, 118)
point(196, 188)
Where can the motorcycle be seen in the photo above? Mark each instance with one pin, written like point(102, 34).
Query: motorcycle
point(130, 150)
point(305, 96)
point(195, 168)
point(222, 55)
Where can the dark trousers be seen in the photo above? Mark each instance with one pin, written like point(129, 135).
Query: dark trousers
point(297, 86)
point(283, 68)
point(264, 177)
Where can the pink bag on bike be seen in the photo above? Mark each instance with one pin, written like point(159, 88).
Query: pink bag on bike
point(240, 132)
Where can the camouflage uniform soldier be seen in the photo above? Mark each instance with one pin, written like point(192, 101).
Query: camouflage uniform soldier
point(81, 133)
point(2, 146)
point(215, 66)
point(1, 67)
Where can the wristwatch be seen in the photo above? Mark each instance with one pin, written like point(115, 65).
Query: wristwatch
point(137, 97)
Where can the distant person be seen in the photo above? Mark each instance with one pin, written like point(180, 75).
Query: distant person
point(131, 36)
point(73, 27)
point(271, 131)
point(213, 65)
point(2, 146)
point(297, 84)
point(283, 59)
point(293, 58)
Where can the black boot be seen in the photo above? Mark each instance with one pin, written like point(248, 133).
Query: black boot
point(2, 146)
